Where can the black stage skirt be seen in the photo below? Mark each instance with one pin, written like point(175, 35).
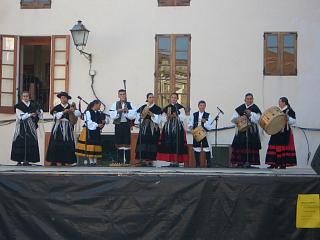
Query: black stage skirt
point(148, 140)
point(167, 150)
point(25, 142)
point(61, 147)
point(281, 150)
point(239, 147)
point(123, 134)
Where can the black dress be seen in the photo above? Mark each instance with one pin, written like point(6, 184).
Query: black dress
point(239, 144)
point(25, 146)
point(281, 149)
point(148, 135)
point(61, 147)
point(173, 143)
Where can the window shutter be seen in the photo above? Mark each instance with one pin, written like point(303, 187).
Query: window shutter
point(59, 67)
point(8, 69)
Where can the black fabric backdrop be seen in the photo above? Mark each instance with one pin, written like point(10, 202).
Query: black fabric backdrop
point(40, 206)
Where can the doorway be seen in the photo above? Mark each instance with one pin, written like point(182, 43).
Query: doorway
point(35, 54)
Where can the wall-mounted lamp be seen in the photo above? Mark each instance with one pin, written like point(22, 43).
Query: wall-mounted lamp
point(80, 37)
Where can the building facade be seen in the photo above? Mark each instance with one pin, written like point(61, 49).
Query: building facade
point(203, 49)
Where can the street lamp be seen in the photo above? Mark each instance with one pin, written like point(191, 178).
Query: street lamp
point(80, 37)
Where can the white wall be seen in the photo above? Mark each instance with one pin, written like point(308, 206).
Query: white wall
point(226, 52)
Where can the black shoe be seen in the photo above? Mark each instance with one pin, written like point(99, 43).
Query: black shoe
point(63, 164)
point(19, 164)
point(174, 164)
point(53, 164)
point(283, 166)
point(26, 164)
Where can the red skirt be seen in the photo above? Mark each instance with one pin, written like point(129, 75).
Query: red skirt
point(278, 155)
point(239, 156)
point(167, 149)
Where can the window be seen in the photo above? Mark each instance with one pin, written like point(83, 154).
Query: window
point(280, 54)
point(35, 4)
point(172, 73)
point(8, 67)
point(166, 3)
point(43, 69)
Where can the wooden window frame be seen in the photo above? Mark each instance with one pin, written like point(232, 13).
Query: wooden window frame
point(173, 65)
point(35, 4)
point(173, 3)
point(52, 78)
point(9, 109)
point(280, 53)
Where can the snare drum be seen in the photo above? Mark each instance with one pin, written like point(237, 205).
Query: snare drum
point(273, 120)
point(243, 123)
point(199, 133)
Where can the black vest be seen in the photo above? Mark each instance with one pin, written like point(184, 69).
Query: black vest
point(97, 116)
point(32, 108)
point(196, 119)
point(253, 108)
point(59, 108)
point(119, 106)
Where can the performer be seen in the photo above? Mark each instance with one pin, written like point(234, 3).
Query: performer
point(61, 147)
point(173, 148)
point(281, 151)
point(205, 120)
point(246, 144)
point(122, 113)
point(25, 147)
point(149, 118)
point(89, 143)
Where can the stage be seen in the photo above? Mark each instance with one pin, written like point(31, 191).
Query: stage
point(153, 203)
point(127, 171)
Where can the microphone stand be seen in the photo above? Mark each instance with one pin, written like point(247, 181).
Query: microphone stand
point(140, 140)
point(216, 130)
point(216, 137)
point(247, 163)
point(178, 133)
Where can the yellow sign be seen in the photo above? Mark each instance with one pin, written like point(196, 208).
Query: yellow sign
point(308, 211)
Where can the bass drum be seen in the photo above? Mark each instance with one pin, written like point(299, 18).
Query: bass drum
point(273, 120)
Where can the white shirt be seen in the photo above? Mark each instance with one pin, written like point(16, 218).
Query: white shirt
point(91, 125)
point(291, 120)
point(208, 124)
point(254, 118)
point(156, 118)
point(58, 115)
point(22, 115)
point(131, 114)
point(182, 114)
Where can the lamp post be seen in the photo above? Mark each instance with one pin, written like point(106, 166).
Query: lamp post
point(80, 37)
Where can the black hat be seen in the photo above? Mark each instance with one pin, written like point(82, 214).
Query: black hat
point(63, 94)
